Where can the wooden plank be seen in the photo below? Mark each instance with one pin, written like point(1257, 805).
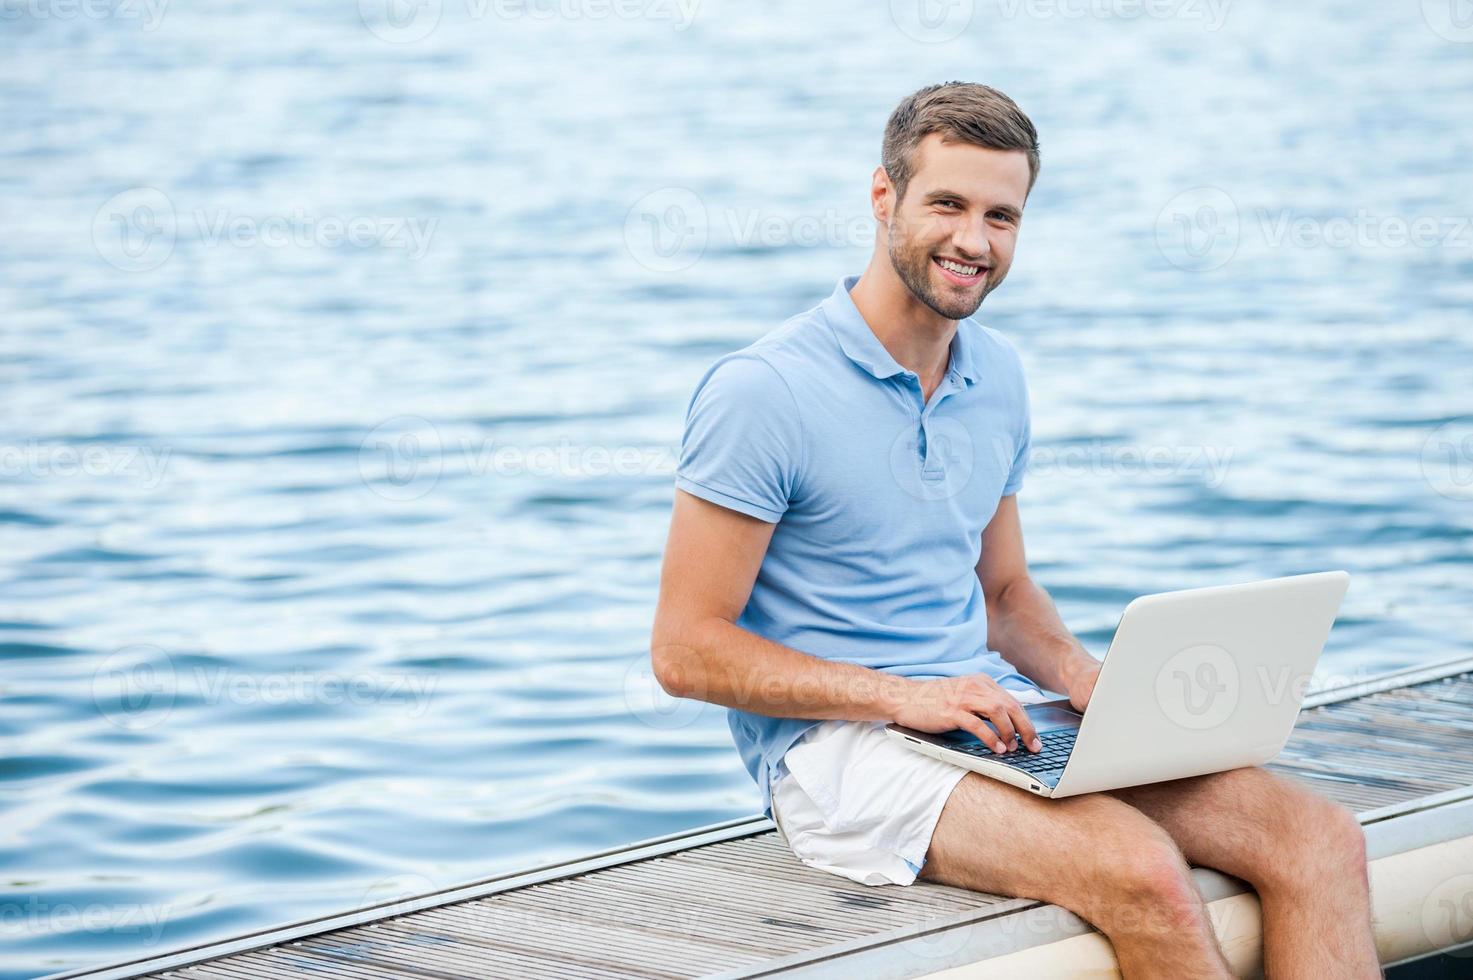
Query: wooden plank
point(445, 961)
point(628, 941)
point(580, 960)
point(773, 929)
point(712, 921)
point(713, 924)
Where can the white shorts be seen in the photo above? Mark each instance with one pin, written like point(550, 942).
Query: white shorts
point(851, 800)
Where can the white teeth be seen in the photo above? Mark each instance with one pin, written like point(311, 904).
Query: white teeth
point(961, 270)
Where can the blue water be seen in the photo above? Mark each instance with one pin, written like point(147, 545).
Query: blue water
point(322, 580)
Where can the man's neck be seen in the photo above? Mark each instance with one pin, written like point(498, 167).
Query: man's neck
point(915, 335)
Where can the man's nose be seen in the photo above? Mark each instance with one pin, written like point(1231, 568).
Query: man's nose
point(970, 239)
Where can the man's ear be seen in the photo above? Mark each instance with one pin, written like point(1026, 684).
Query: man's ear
point(881, 196)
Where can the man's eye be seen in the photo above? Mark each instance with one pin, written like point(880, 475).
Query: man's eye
point(948, 204)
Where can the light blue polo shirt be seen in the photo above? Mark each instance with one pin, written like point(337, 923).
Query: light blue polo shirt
point(879, 500)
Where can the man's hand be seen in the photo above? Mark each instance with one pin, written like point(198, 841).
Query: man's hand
point(1081, 684)
point(962, 702)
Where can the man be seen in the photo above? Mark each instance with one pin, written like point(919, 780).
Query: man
point(845, 551)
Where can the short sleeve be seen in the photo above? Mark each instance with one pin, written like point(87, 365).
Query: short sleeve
point(743, 442)
point(1025, 440)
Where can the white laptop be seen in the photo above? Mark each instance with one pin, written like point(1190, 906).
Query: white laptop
point(1197, 681)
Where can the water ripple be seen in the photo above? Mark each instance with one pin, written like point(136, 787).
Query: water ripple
point(297, 614)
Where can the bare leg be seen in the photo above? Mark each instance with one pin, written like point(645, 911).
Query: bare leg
point(1303, 853)
point(1094, 855)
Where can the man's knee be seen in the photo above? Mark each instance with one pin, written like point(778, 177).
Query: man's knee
point(1085, 852)
point(1123, 873)
point(1144, 885)
point(1324, 841)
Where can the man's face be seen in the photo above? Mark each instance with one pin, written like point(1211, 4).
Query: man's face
point(951, 238)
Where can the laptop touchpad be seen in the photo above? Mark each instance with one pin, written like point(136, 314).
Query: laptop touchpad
point(1049, 718)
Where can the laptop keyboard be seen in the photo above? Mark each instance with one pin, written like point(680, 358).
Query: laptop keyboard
point(1057, 745)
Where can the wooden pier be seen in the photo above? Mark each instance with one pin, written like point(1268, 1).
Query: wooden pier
point(730, 900)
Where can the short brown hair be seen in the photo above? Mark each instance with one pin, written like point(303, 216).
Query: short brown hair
point(962, 112)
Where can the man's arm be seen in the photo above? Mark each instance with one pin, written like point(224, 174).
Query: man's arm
point(711, 562)
point(1022, 623)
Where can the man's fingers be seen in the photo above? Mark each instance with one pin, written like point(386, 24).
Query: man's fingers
point(997, 713)
point(973, 723)
point(1018, 722)
point(994, 716)
point(1027, 734)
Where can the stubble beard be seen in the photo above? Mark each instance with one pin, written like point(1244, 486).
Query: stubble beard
point(913, 265)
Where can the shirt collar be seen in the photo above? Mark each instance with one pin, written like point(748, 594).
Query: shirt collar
point(864, 348)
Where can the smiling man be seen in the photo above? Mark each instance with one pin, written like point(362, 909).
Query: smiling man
point(846, 550)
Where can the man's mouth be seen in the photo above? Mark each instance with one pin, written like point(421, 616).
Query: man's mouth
point(961, 273)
